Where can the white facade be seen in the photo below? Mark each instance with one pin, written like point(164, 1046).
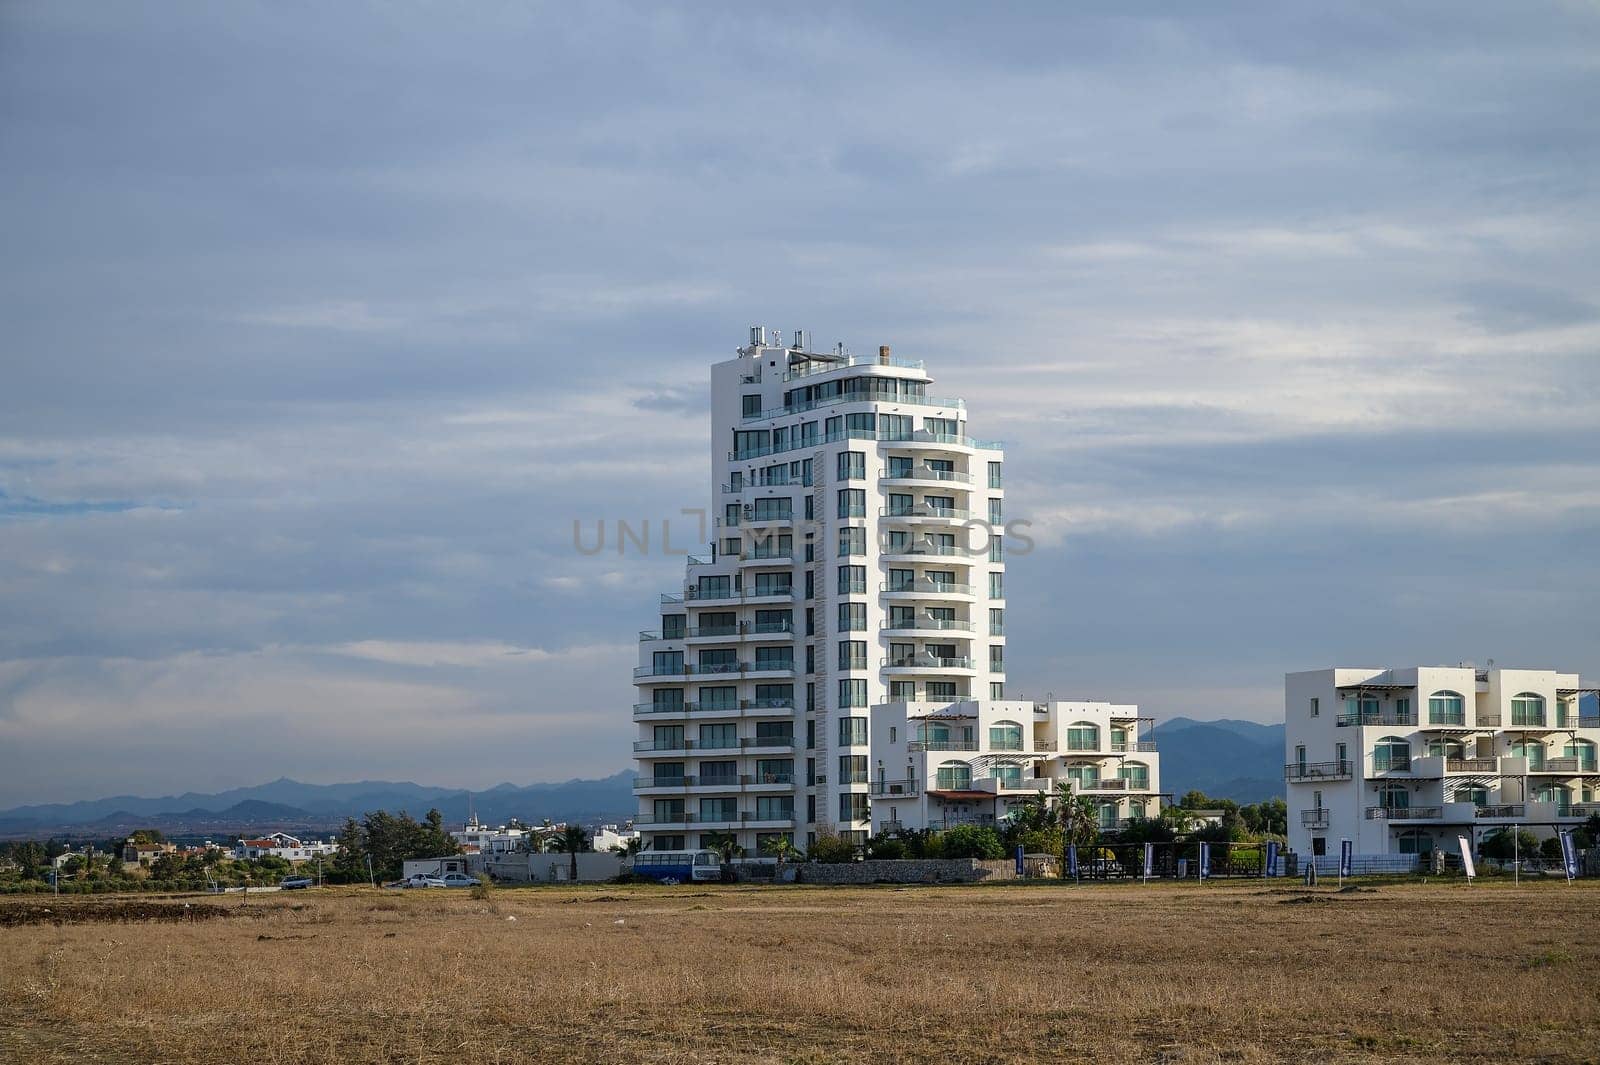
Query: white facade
point(1406, 760)
point(850, 564)
point(607, 837)
point(283, 845)
point(938, 765)
point(489, 840)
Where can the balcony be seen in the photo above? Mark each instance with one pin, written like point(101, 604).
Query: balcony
point(895, 787)
point(1391, 764)
point(959, 556)
point(921, 511)
point(1470, 765)
point(1106, 784)
point(1129, 746)
point(813, 368)
point(1404, 813)
point(761, 705)
point(1578, 809)
point(1381, 717)
point(926, 664)
point(944, 402)
point(922, 587)
point(927, 625)
point(734, 819)
point(1563, 766)
point(942, 745)
point(926, 473)
point(1487, 720)
point(1314, 818)
point(767, 558)
point(1316, 771)
point(1502, 812)
point(684, 744)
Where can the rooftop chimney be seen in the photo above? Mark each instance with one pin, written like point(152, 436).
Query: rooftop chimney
point(883, 354)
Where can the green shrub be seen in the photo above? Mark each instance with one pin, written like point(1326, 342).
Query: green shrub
point(972, 841)
point(832, 849)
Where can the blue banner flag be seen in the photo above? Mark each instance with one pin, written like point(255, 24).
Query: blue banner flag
point(1346, 853)
point(1205, 860)
point(1272, 858)
point(1072, 860)
point(1149, 859)
point(1019, 859)
point(1569, 855)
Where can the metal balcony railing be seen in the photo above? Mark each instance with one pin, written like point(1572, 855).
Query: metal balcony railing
point(1470, 765)
point(1336, 770)
point(922, 510)
point(895, 787)
point(1502, 812)
point(923, 585)
point(1381, 717)
point(925, 662)
point(942, 745)
point(927, 473)
point(1317, 818)
point(1403, 813)
point(927, 624)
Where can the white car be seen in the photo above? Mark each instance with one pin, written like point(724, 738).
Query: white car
point(457, 880)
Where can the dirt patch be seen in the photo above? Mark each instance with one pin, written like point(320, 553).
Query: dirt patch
point(1303, 898)
point(16, 915)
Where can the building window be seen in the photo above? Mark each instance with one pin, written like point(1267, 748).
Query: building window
point(997, 621)
point(752, 406)
point(852, 541)
point(852, 654)
point(1005, 736)
point(852, 502)
point(853, 807)
point(997, 659)
point(902, 691)
point(1446, 708)
point(994, 475)
point(1137, 774)
point(1083, 737)
point(852, 769)
point(1316, 707)
point(1527, 709)
point(1319, 846)
point(941, 691)
point(852, 732)
point(853, 693)
point(997, 586)
point(996, 509)
point(1391, 752)
point(997, 689)
point(852, 617)
point(852, 465)
point(954, 776)
point(852, 580)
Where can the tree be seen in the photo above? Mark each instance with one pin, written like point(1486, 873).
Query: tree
point(30, 858)
point(1502, 847)
point(147, 835)
point(572, 840)
point(972, 841)
point(832, 849)
point(166, 866)
point(349, 865)
point(886, 848)
point(628, 848)
point(780, 847)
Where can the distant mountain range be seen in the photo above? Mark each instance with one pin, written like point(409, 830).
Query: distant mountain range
point(290, 805)
point(1238, 760)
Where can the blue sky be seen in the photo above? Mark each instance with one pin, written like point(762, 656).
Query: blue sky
point(324, 323)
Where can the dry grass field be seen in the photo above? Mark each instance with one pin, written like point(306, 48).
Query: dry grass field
point(1244, 972)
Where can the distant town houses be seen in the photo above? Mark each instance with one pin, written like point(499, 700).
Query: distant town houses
point(140, 852)
point(283, 845)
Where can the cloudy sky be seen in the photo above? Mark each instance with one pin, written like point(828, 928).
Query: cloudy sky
point(323, 323)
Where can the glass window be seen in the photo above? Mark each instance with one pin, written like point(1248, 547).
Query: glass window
point(1083, 737)
point(852, 465)
point(853, 693)
point(1005, 736)
point(852, 541)
point(852, 731)
point(994, 475)
point(852, 617)
point(1391, 752)
point(1446, 708)
point(997, 586)
point(852, 654)
point(954, 776)
point(1527, 709)
point(852, 502)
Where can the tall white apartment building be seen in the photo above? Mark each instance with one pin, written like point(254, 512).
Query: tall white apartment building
point(1405, 760)
point(851, 565)
point(940, 765)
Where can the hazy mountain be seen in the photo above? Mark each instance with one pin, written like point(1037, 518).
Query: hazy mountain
point(290, 804)
point(1238, 760)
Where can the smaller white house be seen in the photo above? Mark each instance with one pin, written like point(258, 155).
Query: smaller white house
point(537, 867)
point(476, 836)
point(608, 837)
point(283, 845)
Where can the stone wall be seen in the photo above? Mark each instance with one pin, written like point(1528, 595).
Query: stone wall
point(908, 871)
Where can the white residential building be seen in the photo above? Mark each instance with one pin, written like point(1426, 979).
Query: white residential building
point(607, 837)
point(283, 845)
point(937, 765)
point(856, 561)
point(1405, 760)
point(485, 839)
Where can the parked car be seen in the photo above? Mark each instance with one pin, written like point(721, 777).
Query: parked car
point(458, 880)
point(420, 880)
point(295, 883)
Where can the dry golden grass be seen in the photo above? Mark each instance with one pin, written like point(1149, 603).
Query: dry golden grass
point(1229, 972)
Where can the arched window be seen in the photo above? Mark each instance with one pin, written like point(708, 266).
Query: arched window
point(1005, 736)
point(1083, 736)
point(1009, 774)
point(1391, 752)
point(1084, 774)
point(933, 733)
point(1474, 795)
point(1136, 808)
point(1583, 751)
point(1438, 748)
point(1119, 739)
point(1137, 774)
point(1394, 797)
point(954, 776)
point(1527, 709)
point(1108, 815)
point(1552, 793)
point(1446, 708)
point(1532, 750)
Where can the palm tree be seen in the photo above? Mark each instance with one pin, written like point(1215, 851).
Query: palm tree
point(1076, 816)
point(724, 843)
point(571, 840)
point(780, 847)
point(628, 848)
